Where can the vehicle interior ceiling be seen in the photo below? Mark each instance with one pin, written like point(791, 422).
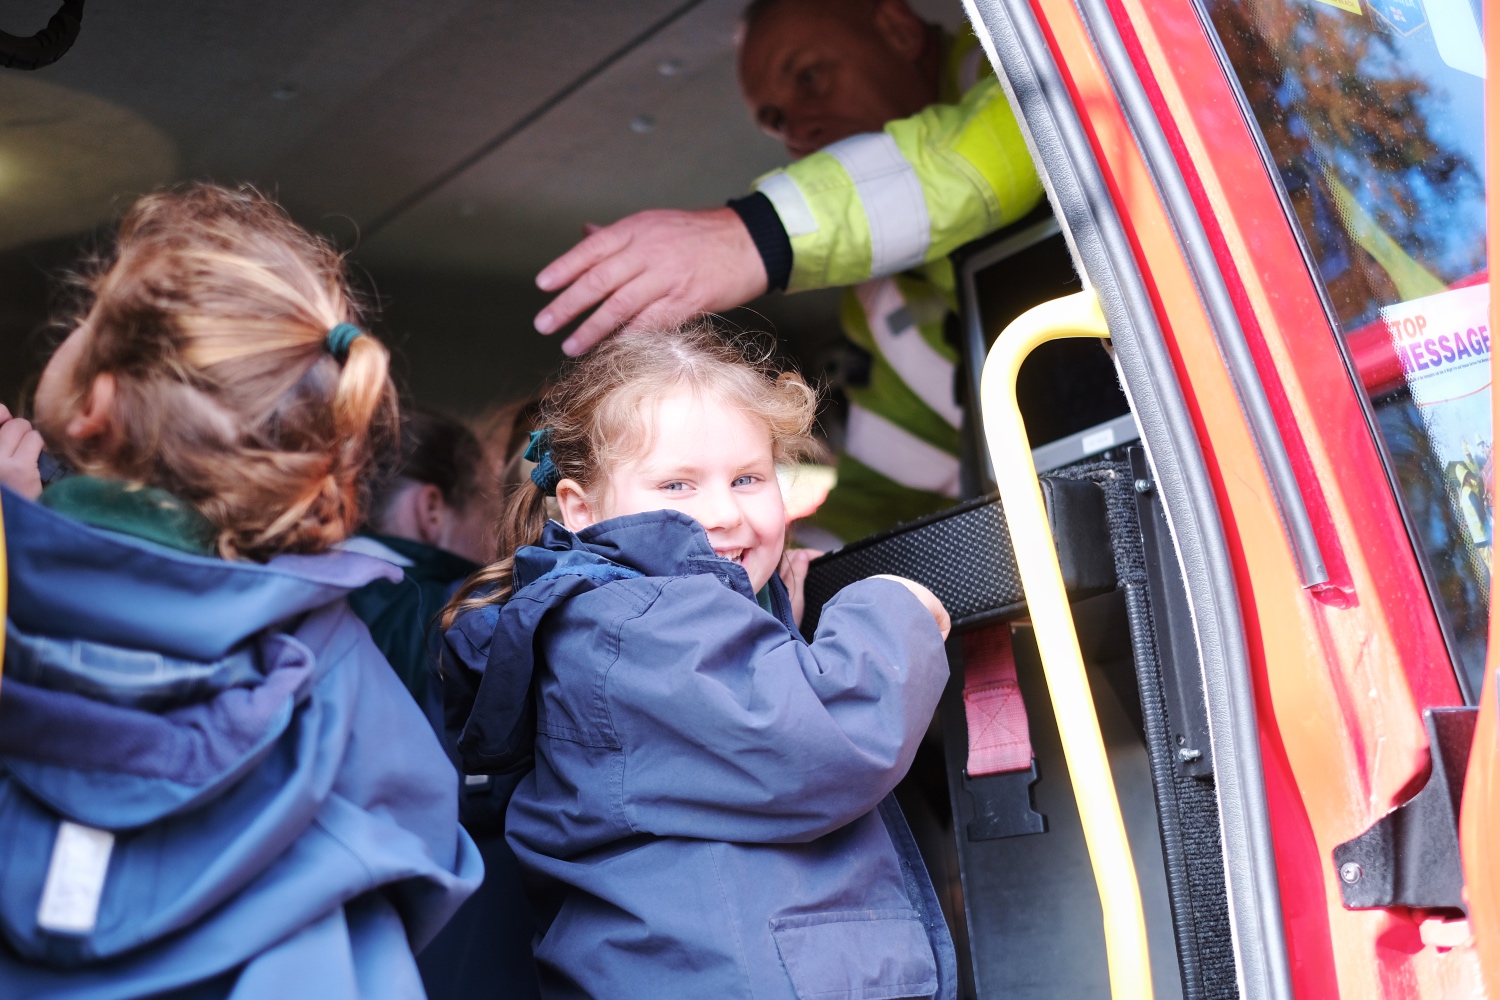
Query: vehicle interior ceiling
point(454, 147)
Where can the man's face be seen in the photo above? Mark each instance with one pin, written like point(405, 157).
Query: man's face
point(815, 73)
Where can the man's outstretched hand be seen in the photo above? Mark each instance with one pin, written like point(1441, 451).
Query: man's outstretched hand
point(651, 269)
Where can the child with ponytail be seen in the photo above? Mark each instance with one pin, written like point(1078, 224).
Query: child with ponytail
point(707, 811)
point(211, 783)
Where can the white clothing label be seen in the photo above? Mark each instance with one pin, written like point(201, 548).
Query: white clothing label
point(75, 879)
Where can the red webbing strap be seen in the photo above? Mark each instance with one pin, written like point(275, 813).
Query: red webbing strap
point(999, 735)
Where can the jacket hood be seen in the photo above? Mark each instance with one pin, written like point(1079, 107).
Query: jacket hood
point(101, 754)
point(70, 580)
point(490, 700)
point(236, 730)
point(141, 680)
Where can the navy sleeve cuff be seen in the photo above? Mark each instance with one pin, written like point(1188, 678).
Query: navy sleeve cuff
point(759, 216)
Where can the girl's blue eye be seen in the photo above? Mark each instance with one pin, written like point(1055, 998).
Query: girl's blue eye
point(674, 486)
point(744, 481)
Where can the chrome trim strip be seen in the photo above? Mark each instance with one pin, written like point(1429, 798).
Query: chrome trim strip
point(1366, 404)
point(1212, 290)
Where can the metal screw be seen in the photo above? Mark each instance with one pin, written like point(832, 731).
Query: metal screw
point(1143, 486)
point(1351, 872)
point(1188, 753)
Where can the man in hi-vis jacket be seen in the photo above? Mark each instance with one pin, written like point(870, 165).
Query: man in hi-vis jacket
point(905, 148)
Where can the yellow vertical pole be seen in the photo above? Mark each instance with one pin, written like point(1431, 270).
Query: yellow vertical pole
point(1052, 618)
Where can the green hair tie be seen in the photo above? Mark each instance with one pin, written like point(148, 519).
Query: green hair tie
point(339, 338)
point(546, 475)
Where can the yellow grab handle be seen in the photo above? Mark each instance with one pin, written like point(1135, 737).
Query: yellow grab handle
point(1047, 600)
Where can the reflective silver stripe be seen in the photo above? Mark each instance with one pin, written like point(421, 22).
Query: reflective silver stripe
point(891, 194)
point(926, 372)
point(898, 454)
point(786, 197)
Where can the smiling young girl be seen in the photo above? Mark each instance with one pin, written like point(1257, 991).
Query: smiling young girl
point(708, 813)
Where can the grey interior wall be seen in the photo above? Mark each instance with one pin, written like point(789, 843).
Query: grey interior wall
point(344, 108)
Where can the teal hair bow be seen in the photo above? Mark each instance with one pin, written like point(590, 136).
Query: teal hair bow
point(546, 475)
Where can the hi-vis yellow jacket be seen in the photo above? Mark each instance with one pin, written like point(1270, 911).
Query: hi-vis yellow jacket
point(881, 212)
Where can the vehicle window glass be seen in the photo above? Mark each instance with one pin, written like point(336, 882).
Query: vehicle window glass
point(1372, 111)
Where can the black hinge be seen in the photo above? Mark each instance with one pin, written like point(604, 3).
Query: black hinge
point(1410, 856)
point(1177, 646)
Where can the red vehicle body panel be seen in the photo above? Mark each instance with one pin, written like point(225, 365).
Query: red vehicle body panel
point(1342, 673)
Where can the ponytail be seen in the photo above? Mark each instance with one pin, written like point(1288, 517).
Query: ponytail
point(362, 386)
point(244, 386)
point(331, 504)
point(521, 522)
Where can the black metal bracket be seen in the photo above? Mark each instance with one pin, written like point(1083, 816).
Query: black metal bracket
point(1409, 857)
point(1181, 673)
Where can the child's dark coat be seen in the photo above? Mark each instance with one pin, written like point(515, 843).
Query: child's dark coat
point(285, 822)
point(708, 815)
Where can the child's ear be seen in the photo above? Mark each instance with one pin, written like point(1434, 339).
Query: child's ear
point(95, 417)
point(432, 514)
point(573, 504)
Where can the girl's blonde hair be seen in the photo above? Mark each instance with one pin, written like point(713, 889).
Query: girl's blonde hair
point(598, 415)
point(212, 315)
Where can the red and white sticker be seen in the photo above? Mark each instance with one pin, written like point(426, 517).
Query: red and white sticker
point(1443, 341)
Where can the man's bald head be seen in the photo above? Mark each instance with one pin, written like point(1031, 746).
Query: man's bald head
point(755, 10)
point(816, 71)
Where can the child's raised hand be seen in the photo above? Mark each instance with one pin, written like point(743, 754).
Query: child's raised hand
point(794, 574)
point(20, 447)
point(928, 598)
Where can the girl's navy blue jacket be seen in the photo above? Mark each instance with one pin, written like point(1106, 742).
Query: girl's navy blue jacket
point(708, 814)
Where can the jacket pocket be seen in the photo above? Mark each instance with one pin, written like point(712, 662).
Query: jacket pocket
point(856, 955)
